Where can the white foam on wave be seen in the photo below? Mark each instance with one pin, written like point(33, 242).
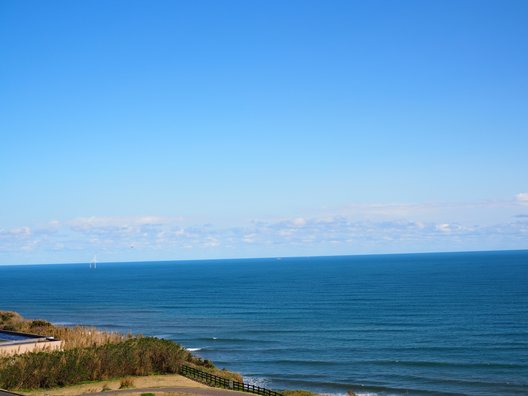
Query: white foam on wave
point(257, 381)
point(359, 393)
point(193, 349)
point(333, 394)
point(164, 336)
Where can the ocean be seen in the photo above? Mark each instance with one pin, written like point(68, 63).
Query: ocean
point(416, 324)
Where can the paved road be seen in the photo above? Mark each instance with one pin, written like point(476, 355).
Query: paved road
point(7, 393)
point(181, 389)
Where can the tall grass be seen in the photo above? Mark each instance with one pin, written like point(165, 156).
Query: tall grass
point(72, 337)
point(136, 356)
point(91, 355)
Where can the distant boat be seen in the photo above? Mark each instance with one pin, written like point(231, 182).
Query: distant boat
point(93, 263)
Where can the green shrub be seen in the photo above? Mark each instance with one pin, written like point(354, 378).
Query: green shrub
point(39, 323)
point(91, 355)
point(133, 357)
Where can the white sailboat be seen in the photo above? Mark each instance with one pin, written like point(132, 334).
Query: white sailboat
point(93, 263)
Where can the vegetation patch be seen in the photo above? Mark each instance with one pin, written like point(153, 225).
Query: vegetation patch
point(126, 383)
point(91, 355)
point(73, 337)
point(298, 393)
point(139, 356)
point(106, 388)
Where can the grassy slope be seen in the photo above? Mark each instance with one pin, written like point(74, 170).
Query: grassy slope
point(90, 355)
point(80, 342)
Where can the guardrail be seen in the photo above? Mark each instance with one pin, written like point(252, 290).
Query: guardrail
point(219, 382)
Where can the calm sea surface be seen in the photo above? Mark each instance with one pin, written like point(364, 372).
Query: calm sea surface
point(423, 324)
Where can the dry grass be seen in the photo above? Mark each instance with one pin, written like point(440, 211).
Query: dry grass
point(73, 337)
point(133, 357)
point(126, 383)
point(84, 337)
point(89, 354)
point(298, 393)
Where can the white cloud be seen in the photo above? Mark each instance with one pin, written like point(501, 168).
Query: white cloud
point(298, 222)
point(211, 242)
point(443, 227)
point(480, 212)
point(21, 231)
point(119, 222)
point(386, 230)
point(249, 238)
point(522, 198)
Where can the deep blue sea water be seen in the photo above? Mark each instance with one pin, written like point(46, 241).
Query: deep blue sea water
point(420, 324)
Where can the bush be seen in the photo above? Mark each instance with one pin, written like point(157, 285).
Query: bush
point(126, 383)
point(133, 357)
point(91, 355)
point(39, 324)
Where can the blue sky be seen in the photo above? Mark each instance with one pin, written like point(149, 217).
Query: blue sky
point(140, 130)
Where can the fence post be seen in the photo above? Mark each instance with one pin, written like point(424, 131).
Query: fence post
point(214, 380)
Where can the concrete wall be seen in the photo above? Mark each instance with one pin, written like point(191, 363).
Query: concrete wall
point(15, 349)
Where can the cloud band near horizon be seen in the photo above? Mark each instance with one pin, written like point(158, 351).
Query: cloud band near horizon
point(353, 230)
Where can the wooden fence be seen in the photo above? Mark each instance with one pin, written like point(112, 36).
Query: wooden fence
point(219, 382)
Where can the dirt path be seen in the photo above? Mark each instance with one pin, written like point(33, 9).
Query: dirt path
point(174, 389)
point(175, 384)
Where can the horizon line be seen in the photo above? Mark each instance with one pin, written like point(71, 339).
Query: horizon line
point(278, 257)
